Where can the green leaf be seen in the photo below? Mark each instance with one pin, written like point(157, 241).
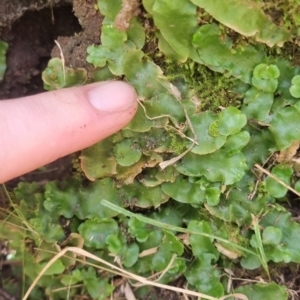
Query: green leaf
point(250, 262)
point(248, 19)
point(177, 22)
point(3, 50)
point(267, 86)
point(111, 37)
point(285, 133)
point(57, 76)
point(259, 147)
point(139, 229)
point(95, 232)
point(67, 201)
point(184, 191)
point(114, 243)
point(215, 51)
point(71, 279)
point(201, 244)
point(98, 288)
point(265, 71)
point(169, 52)
point(170, 245)
point(290, 235)
point(282, 172)
point(136, 33)
point(216, 167)
point(165, 104)
point(271, 235)
point(110, 8)
point(136, 192)
point(235, 143)
point(127, 153)
point(207, 131)
point(212, 196)
point(231, 121)
point(55, 268)
point(47, 228)
point(295, 88)
point(98, 161)
point(264, 291)
point(205, 277)
point(257, 104)
point(131, 255)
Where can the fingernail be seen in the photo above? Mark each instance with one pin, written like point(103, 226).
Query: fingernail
point(112, 96)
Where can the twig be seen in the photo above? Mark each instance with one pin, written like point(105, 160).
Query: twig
point(276, 179)
point(133, 276)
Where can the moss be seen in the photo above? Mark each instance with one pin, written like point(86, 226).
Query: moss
point(213, 89)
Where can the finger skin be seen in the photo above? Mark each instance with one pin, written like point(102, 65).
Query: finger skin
point(39, 129)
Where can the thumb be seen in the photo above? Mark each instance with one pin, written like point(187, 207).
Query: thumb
point(39, 129)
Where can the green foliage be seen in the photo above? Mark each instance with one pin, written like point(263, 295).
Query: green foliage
point(248, 19)
point(3, 50)
point(295, 88)
point(57, 75)
point(182, 194)
point(261, 291)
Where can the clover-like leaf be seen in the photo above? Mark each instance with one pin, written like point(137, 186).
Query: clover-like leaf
point(205, 277)
point(217, 166)
point(141, 197)
point(265, 71)
point(127, 153)
point(73, 278)
point(265, 85)
point(110, 9)
point(136, 33)
point(282, 172)
point(202, 244)
point(56, 267)
point(271, 235)
point(257, 104)
point(250, 262)
point(98, 288)
point(96, 231)
point(98, 161)
point(212, 196)
point(236, 142)
point(177, 22)
point(285, 133)
point(57, 76)
point(67, 201)
point(295, 88)
point(207, 131)
point(184, 191)
point(265, 77)
point(114, 243)
point(290, 235)
point(165, 104)
point(248, 19)
point(111, 37)
point(231, 121)
point(215, 51)
point(139, 229)
point(131, 255)
point(170, 245)
point(3, 50)
point(264, 291)
point(47, 228)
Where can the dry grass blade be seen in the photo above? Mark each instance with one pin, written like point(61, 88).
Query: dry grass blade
point(128, 274)
point(276, 179)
